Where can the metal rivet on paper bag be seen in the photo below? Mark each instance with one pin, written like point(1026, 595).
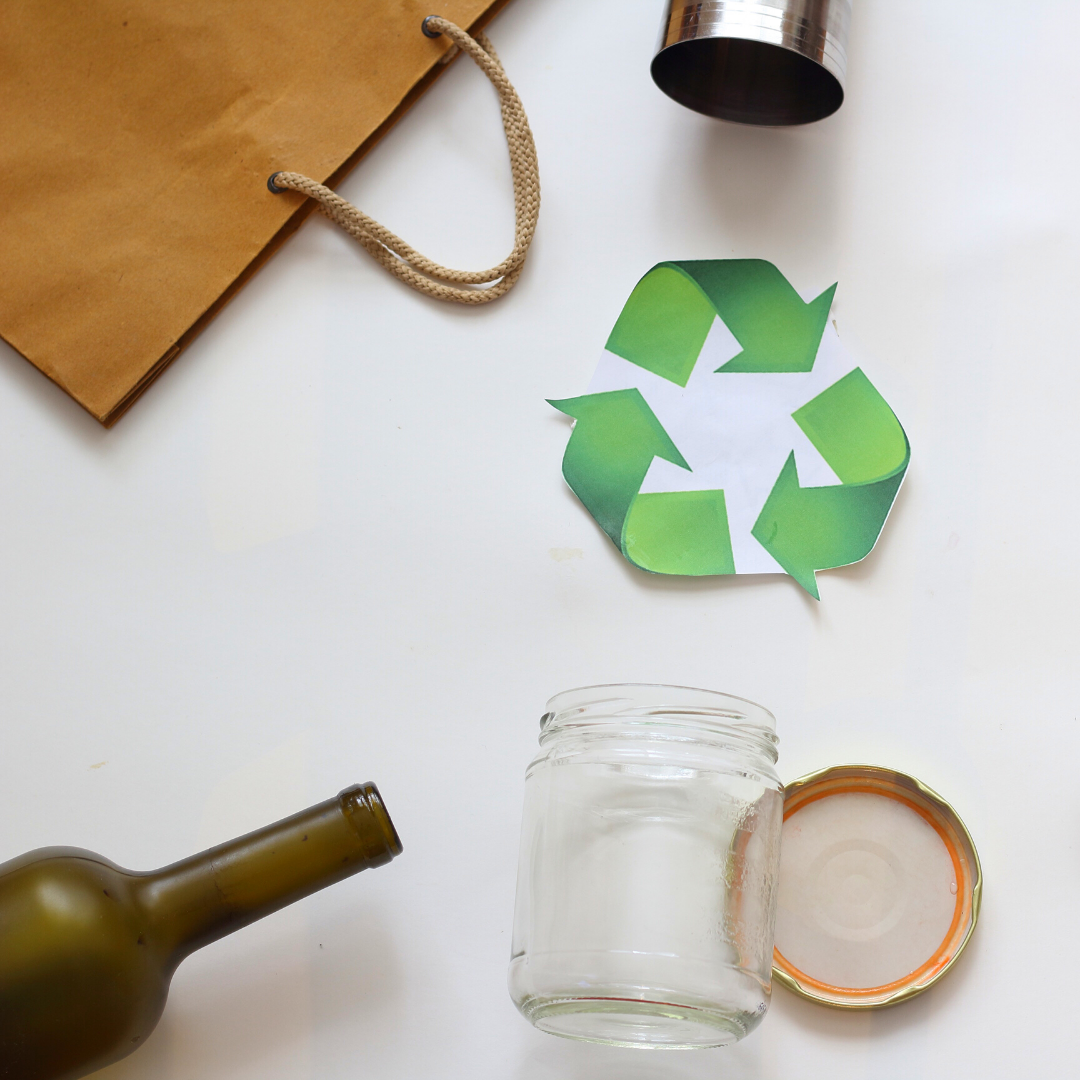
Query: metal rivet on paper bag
point(771, 62)
point(879, 887)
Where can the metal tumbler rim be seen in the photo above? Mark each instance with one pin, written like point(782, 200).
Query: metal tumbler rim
point(763, 62)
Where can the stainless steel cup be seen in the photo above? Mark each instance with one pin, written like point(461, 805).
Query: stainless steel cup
point(770, 62)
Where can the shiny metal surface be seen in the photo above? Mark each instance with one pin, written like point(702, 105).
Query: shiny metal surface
point(773, 62)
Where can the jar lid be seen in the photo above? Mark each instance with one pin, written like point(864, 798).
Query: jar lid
point(879, 888)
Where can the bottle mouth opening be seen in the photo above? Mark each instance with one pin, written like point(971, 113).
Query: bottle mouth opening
point(654, 706)
point(367, 795)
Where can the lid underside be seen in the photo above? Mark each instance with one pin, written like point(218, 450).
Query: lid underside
point(879, 887)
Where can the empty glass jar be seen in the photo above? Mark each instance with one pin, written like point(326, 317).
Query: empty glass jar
point(650, 850)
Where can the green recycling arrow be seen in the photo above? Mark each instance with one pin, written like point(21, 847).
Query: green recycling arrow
point(671, 311)
point(679, 532)
point(662, 329)
point(611, 448)
point(808, 529)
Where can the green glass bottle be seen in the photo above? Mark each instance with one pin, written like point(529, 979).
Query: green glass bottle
point(87, 949)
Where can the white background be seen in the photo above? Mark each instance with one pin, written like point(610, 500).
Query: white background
point(332, 544)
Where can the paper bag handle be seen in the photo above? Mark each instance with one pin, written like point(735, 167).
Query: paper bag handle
point(404, 261)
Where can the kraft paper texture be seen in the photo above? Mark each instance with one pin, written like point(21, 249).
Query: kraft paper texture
point(138, 136)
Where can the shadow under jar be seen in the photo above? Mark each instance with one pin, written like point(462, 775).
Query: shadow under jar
point(647, 881)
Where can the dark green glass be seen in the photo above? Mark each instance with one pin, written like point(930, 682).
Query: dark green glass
point(87, 949)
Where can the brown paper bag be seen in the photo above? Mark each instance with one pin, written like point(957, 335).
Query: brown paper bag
point(136, 138)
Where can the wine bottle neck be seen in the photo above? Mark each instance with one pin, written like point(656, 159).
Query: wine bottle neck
point(201, 899)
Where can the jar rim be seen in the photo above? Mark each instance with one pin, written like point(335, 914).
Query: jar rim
point(704, 708)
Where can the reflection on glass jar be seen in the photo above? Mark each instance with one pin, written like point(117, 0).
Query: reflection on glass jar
point(650, 847)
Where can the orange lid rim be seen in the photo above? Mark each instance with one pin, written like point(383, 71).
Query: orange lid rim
point(943, 818)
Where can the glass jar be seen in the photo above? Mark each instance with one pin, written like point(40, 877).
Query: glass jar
point(647, 880)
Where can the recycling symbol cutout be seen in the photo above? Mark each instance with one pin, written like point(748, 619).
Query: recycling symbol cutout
point(727, 431)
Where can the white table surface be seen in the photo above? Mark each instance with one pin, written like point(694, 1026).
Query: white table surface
point(333, 544)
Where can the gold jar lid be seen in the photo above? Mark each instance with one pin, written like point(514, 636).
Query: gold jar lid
point(880, 886)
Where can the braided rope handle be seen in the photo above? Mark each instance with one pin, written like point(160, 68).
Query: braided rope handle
point(404, 261)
